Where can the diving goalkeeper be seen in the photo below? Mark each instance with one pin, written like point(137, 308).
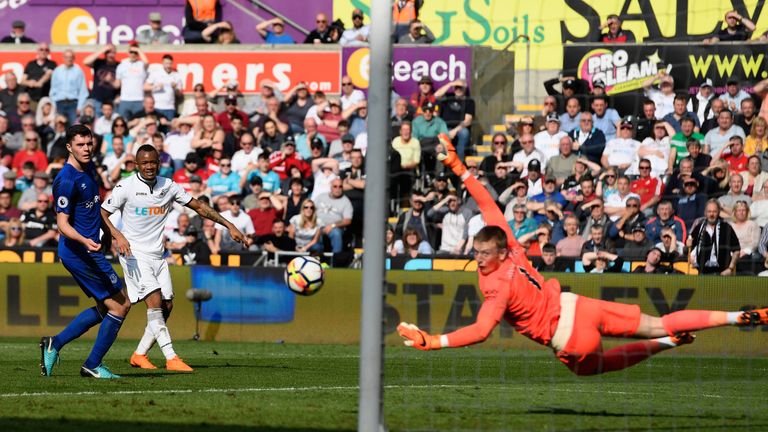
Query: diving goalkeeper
point(572, 325)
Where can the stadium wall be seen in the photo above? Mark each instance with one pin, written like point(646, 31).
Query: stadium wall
point(252, 304)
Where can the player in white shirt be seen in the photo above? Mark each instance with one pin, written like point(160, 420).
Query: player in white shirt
point(145, 201)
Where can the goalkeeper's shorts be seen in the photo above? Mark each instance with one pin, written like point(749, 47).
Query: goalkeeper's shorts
point(583, 320)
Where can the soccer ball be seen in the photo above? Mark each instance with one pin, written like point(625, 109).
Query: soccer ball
point(305, 275)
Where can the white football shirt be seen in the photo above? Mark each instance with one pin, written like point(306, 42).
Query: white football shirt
point(145, 209)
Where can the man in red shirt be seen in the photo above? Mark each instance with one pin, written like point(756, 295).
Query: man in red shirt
point(191, 168)
point(647, 187)
point(30, 153)
point(282, 161)
point(571, 324)
point(269, 209)
point(733, 153)
point(230, 110)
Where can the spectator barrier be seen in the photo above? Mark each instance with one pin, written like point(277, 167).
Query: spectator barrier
point(254, 305)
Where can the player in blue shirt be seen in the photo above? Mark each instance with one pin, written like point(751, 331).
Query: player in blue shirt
point(78, 215)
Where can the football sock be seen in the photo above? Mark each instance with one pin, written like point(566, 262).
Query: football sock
point(156, 324)
point(690, 320)
point(147, 341)
point(79, 325)
point(108, 330)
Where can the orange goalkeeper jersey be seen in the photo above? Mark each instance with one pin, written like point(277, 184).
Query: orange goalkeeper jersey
point(515, 291)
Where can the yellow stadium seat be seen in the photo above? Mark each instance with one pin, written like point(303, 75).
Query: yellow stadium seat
point(498, 128)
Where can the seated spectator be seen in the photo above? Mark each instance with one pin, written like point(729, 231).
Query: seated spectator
point(500, 179)
point(409, 150)
point(647, 187)
point(334, 213)
point(733, 154)
point(747, 231)
point(353, 182)
point(30, 198)
point(550, 261)
point(498, 153)
point(716, 105)
point(548, 140)
point(231, 110)
point(620, 152)
point(247, 157)
point(734, 96)
point(270, 180)
point(664, 96)
point(539, 204)
point(679, 112)
point(689, 205)
point(416, 217)
point(729, 200)
point(573, 186)
point(400, 114)
point(325, 171)
point(515, 194)
point(653, 264)
point(191, 167)
point(303, 141)
point(282, 161)
point(737, 28)
point(225, 181)
point(241, 220)
point(569, 120)
point(632, 216)
point(665, 218)
point(615, 33)
point(757, 140)
point(602, 262)
point(453, 224)
point(30, 153)
point(747, 114)
point(656, 150)
point(678, 145)
point(221, 33)
point(521, 224)
point(208, 136)
point(759, 207)
point(644, 126)
point(40, 223)
point(715, 248)
point(562, 165)
point(524, 127)
point(358, 34)
point(570, 246)
point(303, 228)
point(176, 238)
point(26, 179)
point(717, 138)
point(14, 233)
point(426, 93)
point(534, 179)
point(458, 111)
point(428, 125)
point(671, 248)
point(278, 240)
point(533, 241)
point(270, 137)
point(637, 244)
point(598, 241)
point(198, 17)
point(595, 215)
point(411, 245)
point(17, 35)
point(475, 224)
point(418, 34)
point(196, 249)
point(527, 154)
point(276, 36)
point(321, 34)
point(616, 203)
point(591, 140)
point(269, 208)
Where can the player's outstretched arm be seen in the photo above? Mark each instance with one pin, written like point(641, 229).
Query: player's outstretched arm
point(204, 210)
point(491, 212)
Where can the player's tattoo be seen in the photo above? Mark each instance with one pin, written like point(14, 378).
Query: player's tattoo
point(209, 213)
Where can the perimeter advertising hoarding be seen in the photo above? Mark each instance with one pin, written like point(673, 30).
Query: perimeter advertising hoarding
point(40, 299)
point(624, 67)
point(319, 69)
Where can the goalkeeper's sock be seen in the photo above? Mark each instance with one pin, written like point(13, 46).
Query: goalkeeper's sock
point(147, 341)
point(77, 327)
point(156, 323)
point(691, 320)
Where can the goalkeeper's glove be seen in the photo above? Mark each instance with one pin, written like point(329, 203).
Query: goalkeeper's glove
point(417, 338)
point(448, 156)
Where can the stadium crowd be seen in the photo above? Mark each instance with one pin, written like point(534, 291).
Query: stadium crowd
point(583, 186)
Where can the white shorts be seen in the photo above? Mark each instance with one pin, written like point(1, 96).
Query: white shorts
point(144, 275)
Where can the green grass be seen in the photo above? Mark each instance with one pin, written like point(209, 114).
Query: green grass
point(247, 386)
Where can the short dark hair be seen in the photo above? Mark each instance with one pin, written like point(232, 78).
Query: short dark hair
point(494, 234)
point(168, 57)
point(648, 102)
point(682, 97)
point(549, 248)
point(77, 130)
point(107, 103)
point(147, 148)
point(687, 118)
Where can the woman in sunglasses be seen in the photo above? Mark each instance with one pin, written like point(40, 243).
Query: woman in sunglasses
point(14, 233)
point(303, 228)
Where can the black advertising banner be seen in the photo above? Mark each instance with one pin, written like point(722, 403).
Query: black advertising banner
point(624, 68)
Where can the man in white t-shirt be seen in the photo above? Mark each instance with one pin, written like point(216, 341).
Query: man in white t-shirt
point(349, 94)
point(166, 85)
point(239, 219)
point(548, 140)
point(528, 152)
point(178, 144)
point(130, 76)
point(621, 151)
point(247, 158)
point(616, 204)
point(145, 200)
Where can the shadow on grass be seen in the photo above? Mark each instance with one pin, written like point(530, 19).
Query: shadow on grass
point(75, 425)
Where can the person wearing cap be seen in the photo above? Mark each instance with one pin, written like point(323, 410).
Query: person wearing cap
point(716, 139)
point(40, 185)
point(231, 110)
point(605, 118)
point(458, 111)
point(598, 87)
point(277, 35)
point(528, 152)
point(425, 93)
point(548, 140)
point(428, 125)
point(345, 155)
point(17, 35)
point(165, 85)
point(621, 152)
point(700, 104)
point(68, 87)
point(418, 34)
point(615, 33)
point(734, 95)
point(357, 35)
point(637, 244)
point(540, 204)
point(590, 139)
point(283, 160)
point(737, 28)
point(571, 87)
point(154, 35)
point(129, 77)
point(664, 96)
point(652, 264)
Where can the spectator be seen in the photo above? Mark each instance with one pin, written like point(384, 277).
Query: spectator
point(656, 150)
point(276, 36)
point(177, 238)
point(570, 246)
point(515, 194)
point(678, 145)
point(747, 115)
point(701, 103)
point(224, 182)
point(604, 118)
point(25, 180)
point(303, 228)
point(572, 87)
point(282, 161)
point(452, 223)
point(238, 218)
point(714, 245)
point(590, 140)
point(540, 204)
point(637, 244)
point(534, 179)
point(191, 167)
point(147, 110)
point(179, 143)
point(105, 88)
point(154, 35)
point(40, 222)
point(322, 32)
point(644, 126)
point(679, 112)
point(754, 177)
point(37, 75)
point(329, 121)
point(7, 210)
point(17, 35)
point(401, 114)
point(334, 213)
point(103, 124)
point(620, 152)
point(357, 116)
point(30, 153)
point(550, 261)
point(428, 126)
point(129, 77)
point(259, 104)
point(68, 88)
point(14, 233)
point(734, 195)
point(737, 28)
point(10, 94)
point(231, 110)
point(700, 160)
point(647, 187)
point(409, 149)
point(416, 217)
point(548, 140)
point(757, 141)
point(615, 33)
point(569, 120)
point(296, 107)
point(166, 86)
point(690, 205)
point(278, 240)
point(349, 94)
point(270, 137)
point(271, 114)
point(403, 13)
point(598, 241)
point(311, 134)
point(716, 105)
point(652, 264)
point(458, 111)
point(616, 203)
point(562, 165)
point(324, 170)
point(198, 16)
point(196, 250)
point(521, 224)
point(221, 33)
point(596, 216)
point(747, 231)
point(602, 262)
point(358, 34)
point(528, 153)
point(208, 136)
point(418, 34)
point(426, 93)
point(733, 155)
point(665, 218)
point(29, 197)
point(246, 159)
point(734, 95)
point(671, 248)
point(664, 97)
point(412, 244)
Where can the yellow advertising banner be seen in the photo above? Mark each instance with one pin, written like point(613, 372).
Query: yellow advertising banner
point(551, 23)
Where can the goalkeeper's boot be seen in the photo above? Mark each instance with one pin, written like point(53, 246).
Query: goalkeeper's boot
point(683, 338)
point(754, 317)
point(49, 356)
point(141, 361)
point(176, 364)
point(448, 156)
point(100, 371)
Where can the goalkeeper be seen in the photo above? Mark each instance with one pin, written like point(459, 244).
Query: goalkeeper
point(572, 325)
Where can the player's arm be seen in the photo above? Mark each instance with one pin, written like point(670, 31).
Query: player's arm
point(204, 210)
point(123, 246)
point(68, 231)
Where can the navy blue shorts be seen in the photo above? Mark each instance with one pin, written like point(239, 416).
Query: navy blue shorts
point(93, 273)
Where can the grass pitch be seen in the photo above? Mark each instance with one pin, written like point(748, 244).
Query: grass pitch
point(247, 386)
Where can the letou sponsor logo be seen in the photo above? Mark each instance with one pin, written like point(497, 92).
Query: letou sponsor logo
point(616, 69)
point(77, 26)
